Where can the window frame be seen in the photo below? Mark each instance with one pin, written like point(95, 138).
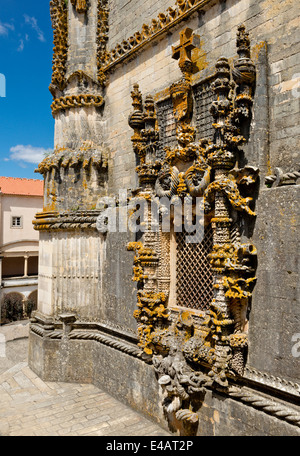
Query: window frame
point(13, 217)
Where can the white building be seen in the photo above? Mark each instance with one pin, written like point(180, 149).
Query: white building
point(20, 200)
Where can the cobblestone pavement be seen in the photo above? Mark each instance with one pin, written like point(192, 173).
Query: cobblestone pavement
point(31, 407)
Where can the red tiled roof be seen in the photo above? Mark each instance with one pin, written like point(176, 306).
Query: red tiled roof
point(17, 186)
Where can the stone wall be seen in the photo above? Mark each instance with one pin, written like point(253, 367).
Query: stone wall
point(272, 143)
point(272, 27)
point(86, 275)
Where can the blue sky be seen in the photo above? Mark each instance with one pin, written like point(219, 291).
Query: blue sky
point(26, 123)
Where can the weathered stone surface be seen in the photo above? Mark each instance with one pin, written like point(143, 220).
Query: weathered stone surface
point(89, 274)
point(274, 317)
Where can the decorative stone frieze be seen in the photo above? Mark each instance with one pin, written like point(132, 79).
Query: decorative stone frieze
point(160, 25)
point(88, 155)
point(69, 221)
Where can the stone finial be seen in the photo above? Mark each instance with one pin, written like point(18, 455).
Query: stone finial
point(136, 119)
point(243, 42)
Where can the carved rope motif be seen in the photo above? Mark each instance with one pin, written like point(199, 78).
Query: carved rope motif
point(45, 327)
point(76, 101)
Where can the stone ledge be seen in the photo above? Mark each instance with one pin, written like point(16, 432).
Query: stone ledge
point(17, 330)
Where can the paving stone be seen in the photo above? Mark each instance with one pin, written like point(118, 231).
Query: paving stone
point(32, 407)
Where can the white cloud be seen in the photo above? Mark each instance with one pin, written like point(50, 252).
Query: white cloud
point(28, 154)
point(5, 28)
point(33, 22)
point(21, 46)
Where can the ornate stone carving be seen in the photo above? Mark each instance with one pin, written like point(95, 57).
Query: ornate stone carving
point(76, 101)
point(59, 17)
point(191, 350)
point(102, 38)
point(182, 52)
point(160, 25)
point(46, 221)
point(80, 5)
point(145, 145)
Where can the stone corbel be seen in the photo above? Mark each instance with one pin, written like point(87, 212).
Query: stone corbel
point(67, 320)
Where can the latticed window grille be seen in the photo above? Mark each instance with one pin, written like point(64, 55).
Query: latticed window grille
point(204, 96)
point(167, 126)
point(194, 281)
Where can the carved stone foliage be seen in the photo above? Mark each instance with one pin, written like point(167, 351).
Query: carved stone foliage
point(76, 101)
point(88, 155)
point(59, 17)
point(102, 38)
point(60, 24)
point(200, 346)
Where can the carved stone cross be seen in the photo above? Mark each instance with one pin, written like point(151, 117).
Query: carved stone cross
point(183, 52)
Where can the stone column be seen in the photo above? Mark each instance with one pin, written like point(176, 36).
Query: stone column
point(75, 174)
point(78, 101)
point(26, 257)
